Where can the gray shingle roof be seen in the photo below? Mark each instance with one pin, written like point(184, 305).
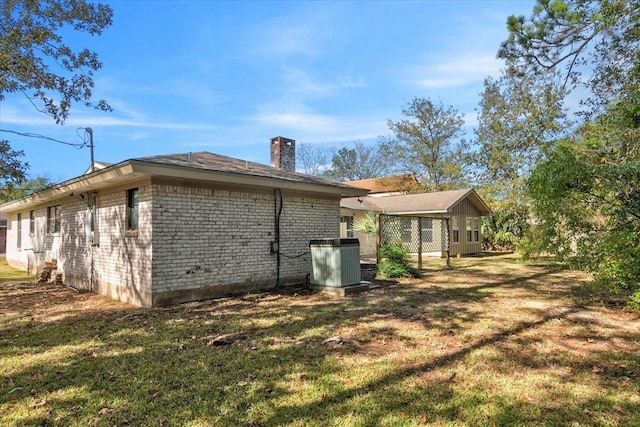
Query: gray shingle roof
point(207, 161)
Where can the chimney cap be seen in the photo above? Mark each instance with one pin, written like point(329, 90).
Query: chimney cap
point(282, 139)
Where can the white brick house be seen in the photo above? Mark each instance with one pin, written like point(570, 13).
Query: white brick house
point(167, 229)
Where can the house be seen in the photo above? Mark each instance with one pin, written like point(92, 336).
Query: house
point(167, 229)
point(423, 223)
point(388, 185)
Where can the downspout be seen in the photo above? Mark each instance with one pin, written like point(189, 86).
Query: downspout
point(277, 204)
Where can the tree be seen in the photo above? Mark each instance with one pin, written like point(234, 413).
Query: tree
point(36, 62)
point(584, 193)
point(12, 168)
point(13, 192)
point(518, 120)
point(429, 144)
point(313, 159)
point(360, 162)
point(588, 208)
point(574, 37)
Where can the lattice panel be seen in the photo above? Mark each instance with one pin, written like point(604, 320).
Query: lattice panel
point(408, 231)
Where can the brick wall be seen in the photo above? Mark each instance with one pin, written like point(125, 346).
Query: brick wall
point(122, 261)
point(120, 267)
point(214, 241)
point(206, 242)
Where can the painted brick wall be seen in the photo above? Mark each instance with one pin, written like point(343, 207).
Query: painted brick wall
point(122, 261)
point(206, 237)
point(203, 239)
point(34, 247)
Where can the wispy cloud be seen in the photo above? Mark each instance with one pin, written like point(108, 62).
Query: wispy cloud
point(304, 31)
point(25, 115)
point(313, 127)
point(303, 84)
point(450, 72)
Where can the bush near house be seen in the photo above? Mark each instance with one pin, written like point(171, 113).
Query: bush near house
point(395, 262)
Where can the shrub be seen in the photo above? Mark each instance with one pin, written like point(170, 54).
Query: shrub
point(395, 262)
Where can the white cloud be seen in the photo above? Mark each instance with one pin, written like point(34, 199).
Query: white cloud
point(304, 30)
point(297, 121)
point(25, 115)
point(312, 127)
point(302, 83)
point(450, 72)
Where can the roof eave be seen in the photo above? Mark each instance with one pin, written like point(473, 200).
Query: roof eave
point(132, 170)
point(117, 174)
point(181, 172)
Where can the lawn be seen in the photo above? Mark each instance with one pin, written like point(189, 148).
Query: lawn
point(487, 342)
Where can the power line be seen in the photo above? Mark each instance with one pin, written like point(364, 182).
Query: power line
point(36, 135)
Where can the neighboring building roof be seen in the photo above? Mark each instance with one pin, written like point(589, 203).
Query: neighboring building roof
point(440, 202)
point(97, 166)
point(389, 184)
point(200, 167)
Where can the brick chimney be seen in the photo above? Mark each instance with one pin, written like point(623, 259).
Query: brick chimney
point(283, 153)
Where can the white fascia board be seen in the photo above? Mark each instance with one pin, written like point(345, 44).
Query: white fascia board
point(109, 177)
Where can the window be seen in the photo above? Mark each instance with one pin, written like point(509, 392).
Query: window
point(53, 219)
point(32, 223)
point(476, 229)
point(19, 231)
point(132, 209)
point(406, 229)
point(346, 226)
point(427, 230)
point(455, 229)
point(469, 231)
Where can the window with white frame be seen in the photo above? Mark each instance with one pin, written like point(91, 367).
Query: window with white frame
point(32, 223)
point(476, 229)
point(346, 226)
point(469, 229)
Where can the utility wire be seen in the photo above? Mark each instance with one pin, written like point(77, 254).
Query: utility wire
point(36, 135)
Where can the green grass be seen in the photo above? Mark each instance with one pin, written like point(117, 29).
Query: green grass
point(8, 274)
point(487, 342)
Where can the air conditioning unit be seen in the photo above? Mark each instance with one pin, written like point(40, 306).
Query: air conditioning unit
point(335, 262)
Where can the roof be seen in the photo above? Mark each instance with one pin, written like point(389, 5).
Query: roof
point(97, 166)
point(441, 202)
point(197, 167)
point(389, 184)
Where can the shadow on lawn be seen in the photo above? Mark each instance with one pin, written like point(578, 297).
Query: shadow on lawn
point(163, 366)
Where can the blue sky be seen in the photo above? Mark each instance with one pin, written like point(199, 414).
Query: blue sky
point(226, 77)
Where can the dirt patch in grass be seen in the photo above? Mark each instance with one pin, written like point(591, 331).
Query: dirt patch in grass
point(487, 342)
